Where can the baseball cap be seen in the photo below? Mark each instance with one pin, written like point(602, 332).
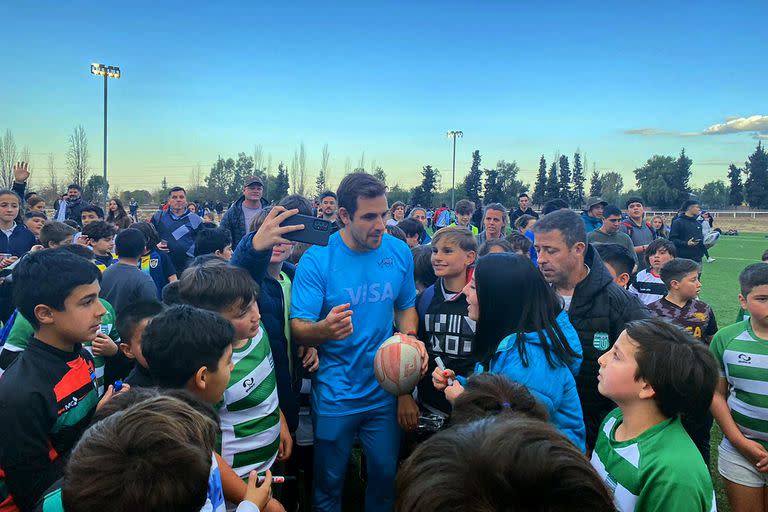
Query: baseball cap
point(594, 201)
point(253, 180)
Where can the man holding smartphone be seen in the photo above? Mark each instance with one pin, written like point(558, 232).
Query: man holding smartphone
point(365, 274)
point(686, 232)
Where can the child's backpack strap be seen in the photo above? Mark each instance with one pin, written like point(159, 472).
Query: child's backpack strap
point(423, 301)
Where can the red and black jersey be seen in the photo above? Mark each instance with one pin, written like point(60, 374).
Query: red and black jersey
point(47, 398)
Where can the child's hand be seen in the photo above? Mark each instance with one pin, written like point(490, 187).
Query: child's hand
point(440, 378)
point(285, 447)
point(103, 346)
point(309, 358)
point(755, 453)
point(7, 261)
point(407, 413)
point(110, 393)
point(453, 391)
point(257, 494)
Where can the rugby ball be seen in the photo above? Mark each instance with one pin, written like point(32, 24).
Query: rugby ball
point(397, 365)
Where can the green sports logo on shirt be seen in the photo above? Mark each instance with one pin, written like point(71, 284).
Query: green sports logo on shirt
point(601, 341)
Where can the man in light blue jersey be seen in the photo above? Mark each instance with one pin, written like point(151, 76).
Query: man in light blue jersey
point(367, 274)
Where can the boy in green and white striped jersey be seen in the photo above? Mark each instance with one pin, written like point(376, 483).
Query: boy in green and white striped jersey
point(654, 372)
point(740, 405)
point(254, 433)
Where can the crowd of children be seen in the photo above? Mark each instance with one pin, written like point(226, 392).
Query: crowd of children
point(134, 378)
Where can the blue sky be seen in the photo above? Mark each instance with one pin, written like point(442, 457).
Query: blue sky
point(520, 79)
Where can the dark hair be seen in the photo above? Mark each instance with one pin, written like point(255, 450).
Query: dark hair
point(610, 210)
point(93, 208)
point(490, 394)
point(208, 260)
point(396, 232)
point(49, 277)
point(465, 207)
point(500, 464)
point(149, 231)
point(75, 186)
point(35, 215)
point(160, 444)
point(73, 224)
point(680, 368)
point(522, 222)
point(298, 202)
point(423, 271)
point(181, 340)
point(170, 294)
point(688, 203)
point(519, 242)
point(130, 243)
point(327, 193)
point(99, 230)
point(485, 247)
point(208, 241)
point(133, 314)
point(617, 256)
point(659, 244)
point(501, 280)
point(79, 250)
point(523, 195)
point(358, 184)
point(752, 276)
point(553, 205)
point(217, 288)
point(396, 205)
point(411, 227)
point(676, 269)
point(55, 232)
point(121, 213)
point(633, 199)
point(35, 200)
point(764, 257)
point(176, 189)
point(567, 222)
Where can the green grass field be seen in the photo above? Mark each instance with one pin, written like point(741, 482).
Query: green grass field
point(721, 291)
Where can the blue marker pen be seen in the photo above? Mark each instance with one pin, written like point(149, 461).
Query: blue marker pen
point(117, 386)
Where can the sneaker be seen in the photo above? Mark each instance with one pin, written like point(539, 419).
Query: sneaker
point(710, 260)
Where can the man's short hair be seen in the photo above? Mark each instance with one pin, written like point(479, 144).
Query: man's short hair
point(296, 202)
point(208, 241)
point(49, 277)
point(170, 294)
point(74, 186)
point(133, 314)
point(161, 444)
point(633, 199)
point(358, 184)
point(611, 210)
point(99, 230)
point(617, 256)
point(79, 250)
point(396, 232)
point(490, 243)
point(450, 470)
point(217, 288)
point(567, 222)
point(94, 209)
point(494, 394)
point(459, 236)
point(176, 189)
point(423, 271)
point(327, 193)
point(130, 243)
point(677, 269)
point(465, 207)
point(553, 205)
point(181, 340)
point(522, 196)
point(752, 276)
point(411, 227)
point(55, 232)
point(681, 370)
point(688, 203)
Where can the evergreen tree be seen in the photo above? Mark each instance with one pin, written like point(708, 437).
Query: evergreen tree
point(595, 185)
point(380, 175)
point(540, 188)
point(681, 178)
point(565, 179)
point(281, 182)
point(508, 184)
point(756, 186)
point(553, 185)
point(492, 192)
point(472, 182)
point(320, 185)
point(578, 181)
point(429, 178)
point(736, 188)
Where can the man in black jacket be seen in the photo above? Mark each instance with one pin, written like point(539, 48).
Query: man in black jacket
point(597, 307)
point(523, 208)
point(686, 232)
point(240, 215)
point(73, 206)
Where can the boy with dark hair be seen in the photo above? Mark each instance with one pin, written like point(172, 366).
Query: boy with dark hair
point(423, 273)
point(464, 210)
point(100, 237)
point(655, 372)
point(647, 284)
point(55, 234)
point(618, 260)
point(153, 261)
point(90, 213)
point(123, 282)
point(217, 241)
point(443, 317)
point(413, 231)
point(520, 243)
point(494, 246)
point(49, 393)
point(740, 401)
point(254, 431)
point(533, 466)
point(132, 322)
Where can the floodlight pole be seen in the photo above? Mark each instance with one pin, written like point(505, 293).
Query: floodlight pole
point(454, 134)
point(107, 72)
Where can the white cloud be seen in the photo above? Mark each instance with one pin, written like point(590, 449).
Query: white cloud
point(647, 132)
point(756, 123)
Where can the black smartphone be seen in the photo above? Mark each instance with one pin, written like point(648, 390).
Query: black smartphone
point(316, 231)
